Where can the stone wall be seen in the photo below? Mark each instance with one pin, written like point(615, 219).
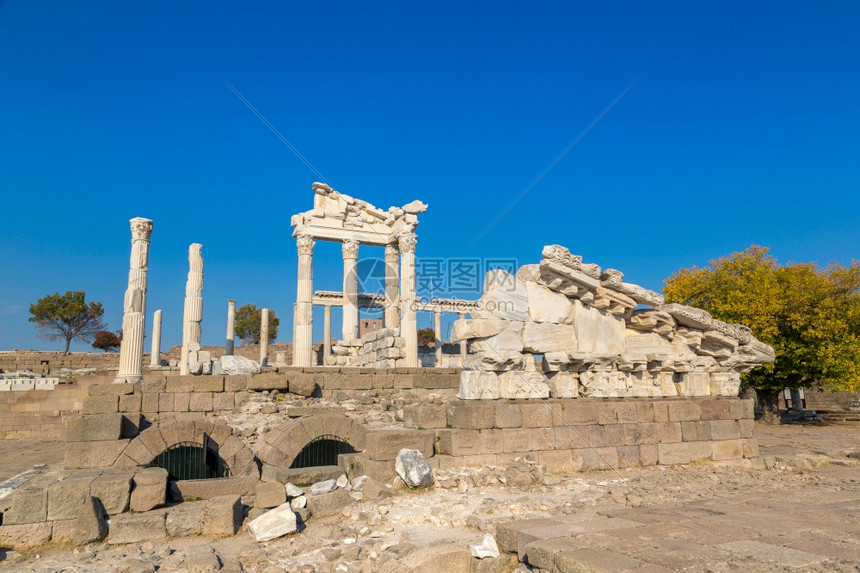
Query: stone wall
point(40, 414)
point(47, 362)
point(832, 401)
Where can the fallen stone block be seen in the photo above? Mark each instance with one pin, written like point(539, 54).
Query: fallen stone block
point(182, 490)
point(137, 527)
point(269, 494)
point(25, 535)
point(67, 497)
point(329, 503)
point(149, 489)
point(185, 519)
point(273, 524)
point(222, 516)
point(113, 489)
point(413, 469)
point(29, 505)
point(90, 523)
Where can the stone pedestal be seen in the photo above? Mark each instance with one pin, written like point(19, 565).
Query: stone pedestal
point(231, 327)
point(155, 355)
point(350, 290)
point(264, 337)
point(303, 318)
point(392, 286)
point(193, 312)
point(134, 306)
point(408, 323)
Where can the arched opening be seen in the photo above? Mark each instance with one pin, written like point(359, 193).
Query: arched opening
point(322, 451)
point(189, 460)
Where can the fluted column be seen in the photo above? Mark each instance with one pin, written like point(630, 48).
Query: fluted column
point(231, 327)
point(326, 334)
point(134, 305)
point(303, 326)
point(264, 337)
point(408, 325)
point(392, 286)
point(438, 327)
point(192, 315)
point(350, 290)
point(155, 354)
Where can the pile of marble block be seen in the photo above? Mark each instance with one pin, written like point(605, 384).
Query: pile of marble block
point(383, 348)
point(199, 361)
point(565, 328)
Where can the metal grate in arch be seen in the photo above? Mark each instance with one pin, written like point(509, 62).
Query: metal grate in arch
point(189, 460)
point(322, 451)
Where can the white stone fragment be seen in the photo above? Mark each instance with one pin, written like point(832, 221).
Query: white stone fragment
point(238, 365)
point(293, 491)
point(542, 338)
point(342, 481)
point(299, 502)
point(273, 524)
point(413, 469)
point(487, 548)
point(478, 385)
point(322, 487)
point(548, 306)
point(518, 385)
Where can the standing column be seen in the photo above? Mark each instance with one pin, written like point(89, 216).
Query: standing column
point(462, 342)
point(326, 334)
point(231, 327)
point(303, 326)
point(392, 267)
point(438, 326)
point(134, 305)
point(264, 337)
point(408, 325)
point(155, 354)
point(193, 312)
point(350, 290)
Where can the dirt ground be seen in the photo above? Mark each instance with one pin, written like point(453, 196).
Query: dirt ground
point(796, 508)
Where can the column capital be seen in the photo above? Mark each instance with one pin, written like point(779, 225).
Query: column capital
point(305, 244)
point(350, 249)
point(141, 229)
point(406, 242)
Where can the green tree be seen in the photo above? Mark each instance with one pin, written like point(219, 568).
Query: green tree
point(248, 318)
point(426, 336)
point(67, 317)
point(810, 315)
point(107, 340)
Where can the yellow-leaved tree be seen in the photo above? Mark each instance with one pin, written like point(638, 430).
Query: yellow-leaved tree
point(810, 315)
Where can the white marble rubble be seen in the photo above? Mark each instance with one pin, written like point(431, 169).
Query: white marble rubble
point(594, 335)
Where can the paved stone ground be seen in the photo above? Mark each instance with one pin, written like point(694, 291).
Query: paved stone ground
point(796, 509)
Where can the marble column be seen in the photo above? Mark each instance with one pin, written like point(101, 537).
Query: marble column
point(134, 305)
point(155, 354)
point(326, 334)
point(350, 290)
point(463, 349)
point(408, 325)
point(231, 327)
point(303, 325)
point(392, 286)
point(438, 329)
point(264, 337)
point(193, 311)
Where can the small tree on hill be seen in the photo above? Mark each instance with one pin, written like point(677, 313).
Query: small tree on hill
point(107, 340)
point(810, 315)
point(67, 317)
point(248, 318)
point(426, 337)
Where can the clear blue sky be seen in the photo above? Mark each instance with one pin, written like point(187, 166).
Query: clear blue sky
point(742, 127)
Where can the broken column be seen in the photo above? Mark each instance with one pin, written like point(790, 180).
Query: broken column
point(231, 327)
point(193, 313)
point(134, 305)
point(392, 288)
point(350, 290)
point(155, 354)
point(303, 314)
point(264, 337)
point(408, 323)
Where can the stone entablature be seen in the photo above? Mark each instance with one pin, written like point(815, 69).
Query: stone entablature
point(565, 328)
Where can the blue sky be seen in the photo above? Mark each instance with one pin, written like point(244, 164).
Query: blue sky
point(742, 127)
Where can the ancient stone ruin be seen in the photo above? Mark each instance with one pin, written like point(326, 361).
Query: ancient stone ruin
point(564, 328)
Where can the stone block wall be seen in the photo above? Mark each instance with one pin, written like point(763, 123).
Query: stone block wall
point(39, 414)
point(584, 434)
